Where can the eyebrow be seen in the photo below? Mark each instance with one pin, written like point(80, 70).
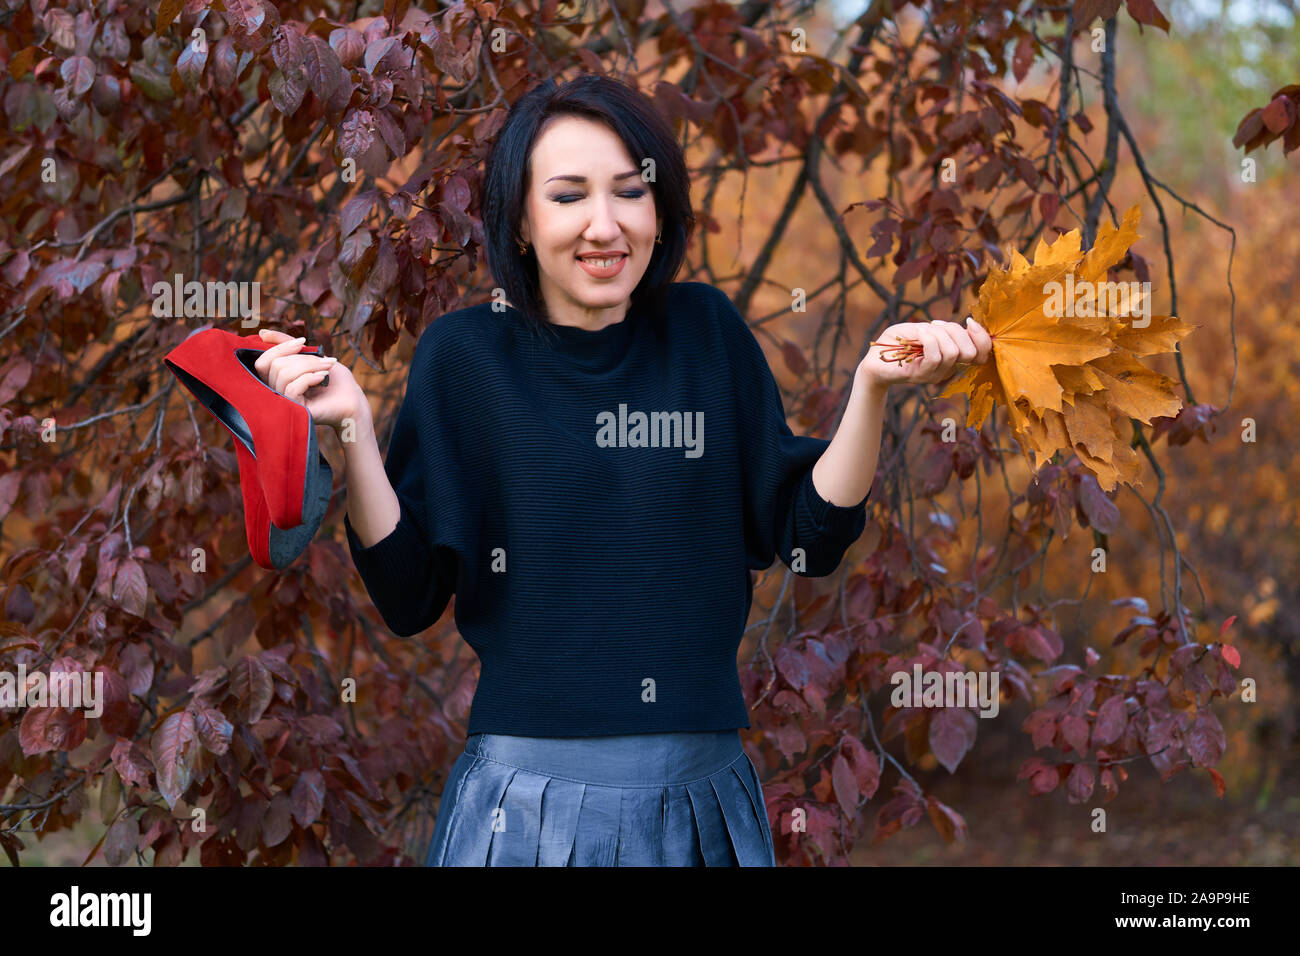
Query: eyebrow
point(583, 179)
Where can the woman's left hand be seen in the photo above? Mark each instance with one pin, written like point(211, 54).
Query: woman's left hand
point(946, 344)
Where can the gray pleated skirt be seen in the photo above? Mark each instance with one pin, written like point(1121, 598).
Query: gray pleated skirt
point(669, 799)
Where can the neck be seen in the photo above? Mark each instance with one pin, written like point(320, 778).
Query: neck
point(562, 310)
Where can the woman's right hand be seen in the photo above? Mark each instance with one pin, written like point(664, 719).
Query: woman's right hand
point(299, 377)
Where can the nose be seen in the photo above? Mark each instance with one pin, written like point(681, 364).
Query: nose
point(604, 226)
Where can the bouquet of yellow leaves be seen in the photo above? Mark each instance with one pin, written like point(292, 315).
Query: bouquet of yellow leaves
point(1066, 344)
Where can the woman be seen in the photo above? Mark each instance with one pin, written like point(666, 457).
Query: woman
point(548, 465)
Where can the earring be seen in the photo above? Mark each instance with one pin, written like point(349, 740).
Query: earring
point(523, 250)
point(658, 235)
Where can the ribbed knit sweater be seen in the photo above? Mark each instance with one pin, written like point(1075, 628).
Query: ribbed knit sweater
point(596, 501)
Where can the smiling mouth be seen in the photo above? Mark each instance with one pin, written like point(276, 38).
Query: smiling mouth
point(601, 261)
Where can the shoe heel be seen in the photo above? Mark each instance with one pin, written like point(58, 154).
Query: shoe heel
point(285, 544)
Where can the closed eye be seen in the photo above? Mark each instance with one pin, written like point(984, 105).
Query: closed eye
point(629, 194)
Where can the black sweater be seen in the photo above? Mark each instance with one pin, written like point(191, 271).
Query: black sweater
point(600, 554)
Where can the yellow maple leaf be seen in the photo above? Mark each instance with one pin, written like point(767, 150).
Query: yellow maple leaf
point(1161, 335)
point(1111, 246)
point(1064, 251)
point(1026, 341)
point(1070, 382)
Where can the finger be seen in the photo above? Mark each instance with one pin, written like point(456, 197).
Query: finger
point(282, 357)
point(298, 387)
point(267, 359)
point(948, 349)
point(966, 350)
point(982, 339)
point(930, 345)
point(275, 337)
point(285, 369)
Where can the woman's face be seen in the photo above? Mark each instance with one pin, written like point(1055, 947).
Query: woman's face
point(585, 195)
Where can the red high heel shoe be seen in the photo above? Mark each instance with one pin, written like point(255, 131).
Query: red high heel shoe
point(285, 482)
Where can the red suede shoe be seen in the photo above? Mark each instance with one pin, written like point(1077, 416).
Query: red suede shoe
point(285, 482)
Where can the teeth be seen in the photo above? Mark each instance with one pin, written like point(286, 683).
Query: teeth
point(602, 263)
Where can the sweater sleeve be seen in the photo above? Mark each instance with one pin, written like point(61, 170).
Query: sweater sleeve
point(783, 510)
point(408, 576)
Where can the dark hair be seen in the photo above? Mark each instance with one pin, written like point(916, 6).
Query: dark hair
point(633, 117)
